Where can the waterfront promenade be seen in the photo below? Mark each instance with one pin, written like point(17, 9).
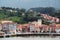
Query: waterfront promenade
point(30, 34)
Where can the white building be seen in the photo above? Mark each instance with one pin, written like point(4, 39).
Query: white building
point(32, 28)
point(12, 10)
point(57, 20)
point(39, 22)
point(57, 30)
point(8, 26)
point(12, 28)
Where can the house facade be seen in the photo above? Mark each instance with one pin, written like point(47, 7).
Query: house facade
point(8, 27)
point(12, 28)
point(57, 28)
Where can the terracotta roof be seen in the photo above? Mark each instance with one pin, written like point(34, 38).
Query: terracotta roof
point(6, 21)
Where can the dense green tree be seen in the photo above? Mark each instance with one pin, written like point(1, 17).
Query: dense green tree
point(23, 16)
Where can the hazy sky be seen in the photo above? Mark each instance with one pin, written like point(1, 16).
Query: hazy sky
point(30, 3)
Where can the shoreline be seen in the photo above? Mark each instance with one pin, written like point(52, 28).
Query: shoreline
point(30, 34)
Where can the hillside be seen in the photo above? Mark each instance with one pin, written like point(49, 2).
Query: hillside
point(47, 10)
point(23, 16)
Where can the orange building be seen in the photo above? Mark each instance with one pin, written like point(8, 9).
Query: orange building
point(22, 27)
point(19, 27)
point(58, 28)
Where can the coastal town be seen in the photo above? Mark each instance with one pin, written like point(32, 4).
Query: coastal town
point(29, 19)
point(10, 27)
point(15, 21)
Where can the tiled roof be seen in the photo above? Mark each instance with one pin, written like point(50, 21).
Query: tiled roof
point(6, 21)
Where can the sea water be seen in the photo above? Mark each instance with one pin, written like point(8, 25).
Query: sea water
point(31, 38)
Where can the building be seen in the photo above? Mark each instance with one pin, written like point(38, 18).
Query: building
point(35, 25)
point(8, 26)
point(57, 19)
point(5, 27)
point(0, 27)
point(50, 18)
point(37, 28)
point(57, 28)
point(25, 28)
point(19, 27)
point(12, 10)
point(32, 27)
point(12, 28)
point(52, 27)
point(44, 28)
point(39, 22)
point(2, 33)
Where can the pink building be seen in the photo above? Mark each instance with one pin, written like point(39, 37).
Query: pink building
point(44, 28)
point(52, 27)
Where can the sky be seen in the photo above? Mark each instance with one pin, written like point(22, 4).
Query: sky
point(30, 3)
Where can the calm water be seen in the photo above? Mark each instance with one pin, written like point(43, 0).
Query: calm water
point(31, 38)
